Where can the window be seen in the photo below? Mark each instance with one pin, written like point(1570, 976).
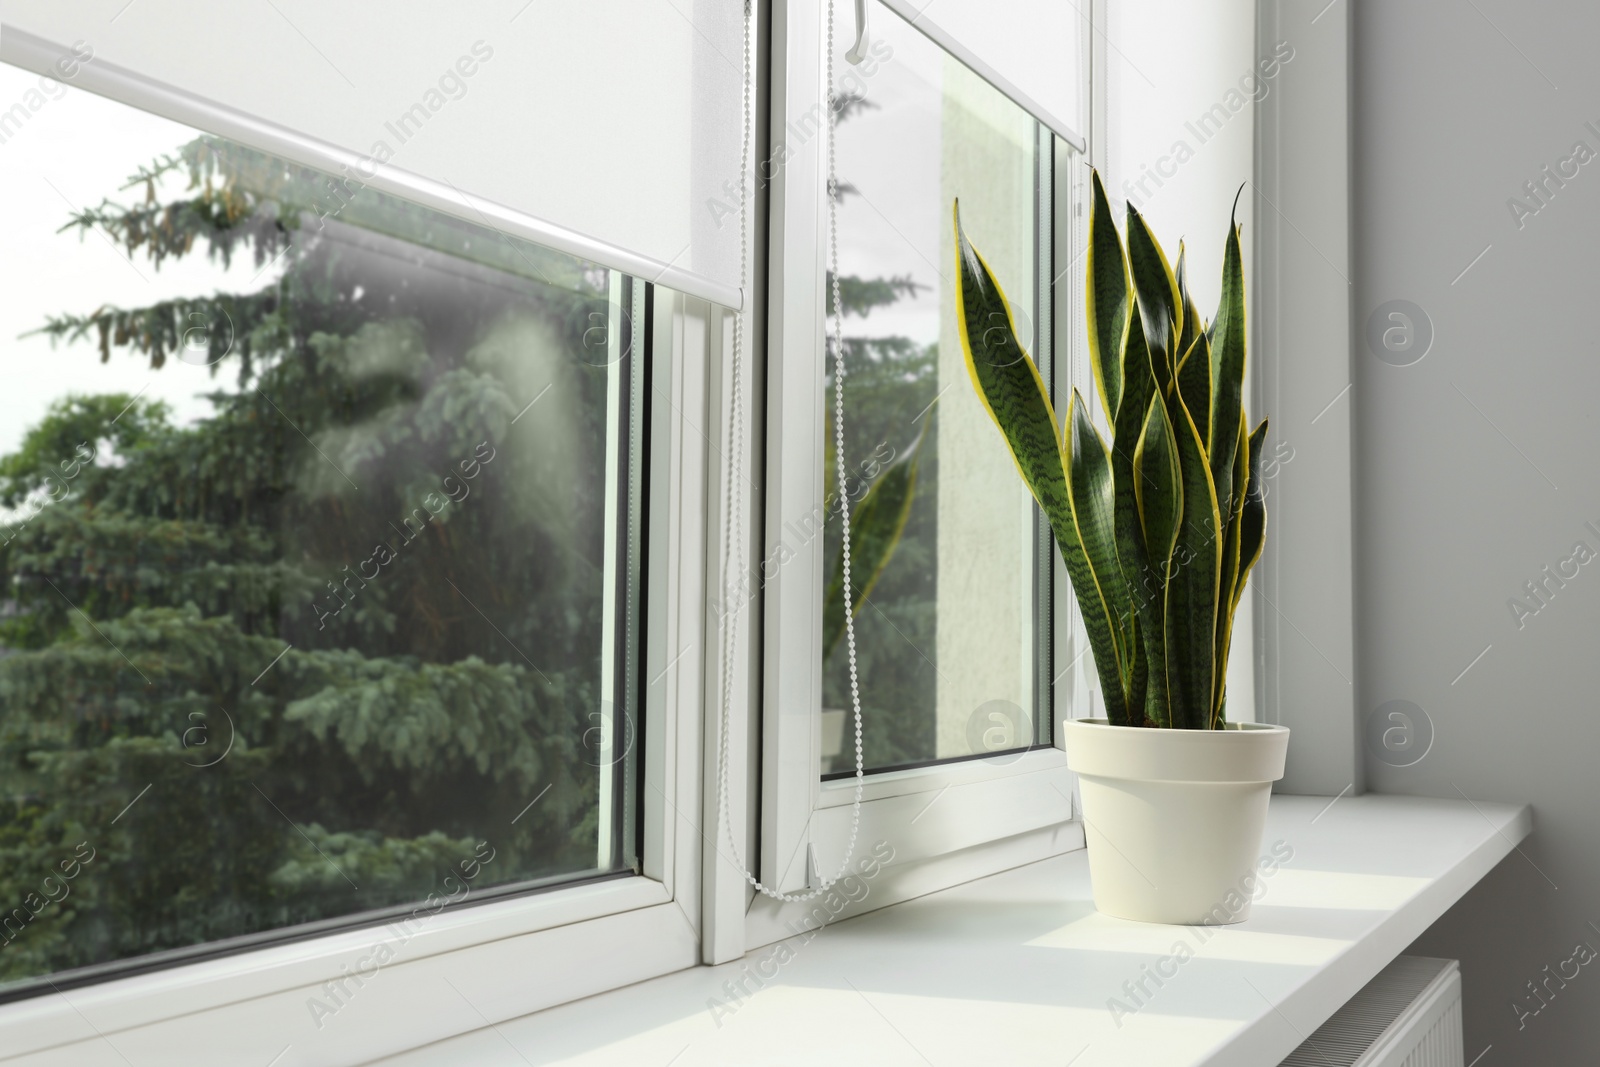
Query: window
point(953, 562)
point(322, 543)
point(959, 636)
point(361, 537)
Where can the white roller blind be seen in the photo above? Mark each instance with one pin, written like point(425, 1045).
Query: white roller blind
point(605, 128)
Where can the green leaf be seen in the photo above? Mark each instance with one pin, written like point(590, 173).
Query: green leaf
point(1253, 528)
point(1159, 303)
point(1246, 536)
point(1006, 379)
point(1233, 521)
point(1192, 326)
point(1139, 689)
point(876, 525)
point(1158, 487)
point(1013, 393)
point(1194, 382)
point(1089, 487)
point(1105, 300)
point(1192, 583)
point(1144, 585)
point(1158, 478)
point(1138, 390)
point(1228, 357)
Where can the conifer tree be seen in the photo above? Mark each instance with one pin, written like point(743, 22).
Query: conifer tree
point(330, 637)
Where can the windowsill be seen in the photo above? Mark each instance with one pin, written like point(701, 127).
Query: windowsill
point(1019, 968)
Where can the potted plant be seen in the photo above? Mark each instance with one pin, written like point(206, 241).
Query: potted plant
point(1158, 533)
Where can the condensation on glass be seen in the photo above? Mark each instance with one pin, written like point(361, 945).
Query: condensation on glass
point(319, 540)
point(952, 566)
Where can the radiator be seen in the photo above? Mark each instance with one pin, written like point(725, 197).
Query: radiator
point(1408, 1016)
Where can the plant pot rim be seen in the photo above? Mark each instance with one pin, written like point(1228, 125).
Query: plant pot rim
point(1243, 753)
point(1232, 728)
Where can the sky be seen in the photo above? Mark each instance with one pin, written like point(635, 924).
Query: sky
point(74, 150)
point(892, 153)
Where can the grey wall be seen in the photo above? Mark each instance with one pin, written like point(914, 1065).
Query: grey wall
point(1476, 468)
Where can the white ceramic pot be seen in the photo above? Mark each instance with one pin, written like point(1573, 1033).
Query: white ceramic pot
point(1174, 818)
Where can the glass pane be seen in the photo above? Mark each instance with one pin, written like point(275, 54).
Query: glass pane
point(948, 634)
point(317, 543)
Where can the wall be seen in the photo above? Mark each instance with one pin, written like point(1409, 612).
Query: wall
point(1300, 305)
point(1475, 470)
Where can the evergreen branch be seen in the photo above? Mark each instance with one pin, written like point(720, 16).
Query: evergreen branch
point(225, 219)
point(859, 296)
point(203, 329)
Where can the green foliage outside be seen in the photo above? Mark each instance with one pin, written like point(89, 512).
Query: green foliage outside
point(360, 496)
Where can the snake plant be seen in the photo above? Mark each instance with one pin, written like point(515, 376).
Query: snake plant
point(1158, 531)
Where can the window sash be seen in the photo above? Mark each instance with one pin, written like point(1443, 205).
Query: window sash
point(805, 821)
point(248, 1006)
point(241, 1002)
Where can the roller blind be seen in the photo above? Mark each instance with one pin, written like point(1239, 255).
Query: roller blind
point(608, 128)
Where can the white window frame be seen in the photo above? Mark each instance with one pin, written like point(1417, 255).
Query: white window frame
point(991, 814)
point(504, 958)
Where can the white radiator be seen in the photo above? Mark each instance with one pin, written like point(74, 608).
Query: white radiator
point(1408, 1016)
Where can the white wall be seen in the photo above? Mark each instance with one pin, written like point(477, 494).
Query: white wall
point(1476, 468)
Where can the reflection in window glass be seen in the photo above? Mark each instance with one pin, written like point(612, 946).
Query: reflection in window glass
point(950, 639)
point(314, 542)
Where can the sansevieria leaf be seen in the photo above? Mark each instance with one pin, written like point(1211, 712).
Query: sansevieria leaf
point(1106, 299)
point(1138, 389)
point(1158, 303)
point(1158, 487)
point(1192, 582)
point(1253, 528)
point(1159, 527)
point(1158, 479)
point(1233, 525)
point(1009, 385)
point(1139, 679)
point(1192, 326)
point(1194, 382)
point(1228, 332)
point(1093, 509)
point(1245, 541)
point(1144, 587)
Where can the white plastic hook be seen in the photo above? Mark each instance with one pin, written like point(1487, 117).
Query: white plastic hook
point(858, 51)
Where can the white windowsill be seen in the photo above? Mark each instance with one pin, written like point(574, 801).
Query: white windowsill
point(1019, 968)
